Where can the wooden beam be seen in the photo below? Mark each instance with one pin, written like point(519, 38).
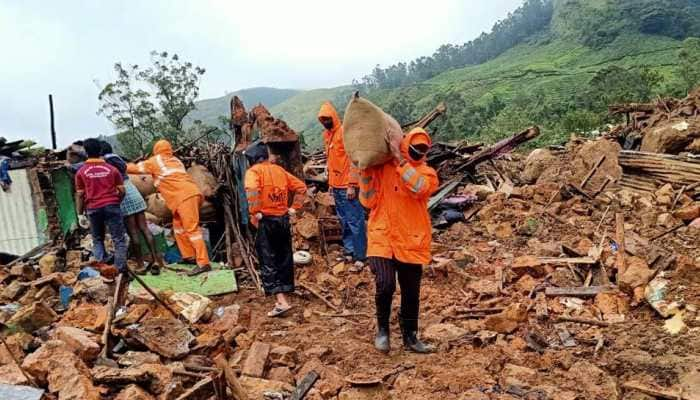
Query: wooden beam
point(620, 239)
point(234, 384)
point(583, 321)
point(566, 260)
point(53, 126)
point(660, 393)
point(575, 291)
point(304, 386)
point(319, 296)
point(590, 174)
point(427, 118)
point(666, 232)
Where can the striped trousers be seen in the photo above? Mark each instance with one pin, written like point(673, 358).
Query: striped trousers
point(409, 276)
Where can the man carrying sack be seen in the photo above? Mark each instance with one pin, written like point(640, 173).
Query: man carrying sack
point(343, 182)
point(182, 197)
point(399, 233)
point(267, 187)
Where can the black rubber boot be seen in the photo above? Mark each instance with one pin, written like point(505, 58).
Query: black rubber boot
point(409, 332)
point(381, 340)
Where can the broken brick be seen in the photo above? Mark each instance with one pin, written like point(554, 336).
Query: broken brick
point(32, 317)
point(256, 361)
point(168, 337)
point(82, 343)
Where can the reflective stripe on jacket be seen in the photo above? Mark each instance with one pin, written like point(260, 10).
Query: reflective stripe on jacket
point(397, 195)
point(267, 187)
point(169, 175)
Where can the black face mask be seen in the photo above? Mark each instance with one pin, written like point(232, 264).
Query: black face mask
point(327, 123)
point(415, 154)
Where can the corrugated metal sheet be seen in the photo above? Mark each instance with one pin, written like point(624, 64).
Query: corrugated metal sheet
point(19, 231)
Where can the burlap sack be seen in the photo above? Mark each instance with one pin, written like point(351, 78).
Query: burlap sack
point(204, 180)
point(157, 207)
point(368, 133)
point(144, 184)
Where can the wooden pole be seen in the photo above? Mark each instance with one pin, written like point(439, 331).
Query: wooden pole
point(620, 238)
point(592, 171)
point(53, 128)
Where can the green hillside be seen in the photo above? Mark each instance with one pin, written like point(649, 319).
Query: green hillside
point(209, 110)
point(561, 77)
point(554, 63)
point(301, 111)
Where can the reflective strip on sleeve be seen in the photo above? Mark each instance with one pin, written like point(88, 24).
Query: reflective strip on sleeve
point(165, 170)
point(418, 185)
point(196, 237)
point(142, 167)
point(255, 203)
point(179, 231)
point(252, 193)
point(366, 180)
point(408, 174)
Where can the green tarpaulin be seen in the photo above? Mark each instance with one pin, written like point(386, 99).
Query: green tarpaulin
point(217, 281)
point(63, 187)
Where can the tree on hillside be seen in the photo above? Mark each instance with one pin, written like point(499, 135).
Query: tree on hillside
point(689, 65)
point(528, 19)
point(619, 85)
point(146, 104)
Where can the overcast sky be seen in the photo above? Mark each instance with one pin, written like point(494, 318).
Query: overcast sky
point(62, 47)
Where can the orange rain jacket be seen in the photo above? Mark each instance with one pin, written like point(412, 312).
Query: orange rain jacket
point(397, 196)
point(341, 171)
point(169, 175)
point(267, 188)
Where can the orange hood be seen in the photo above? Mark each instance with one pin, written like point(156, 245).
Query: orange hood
point(163, 148)
point(327, 110)
point(415, 136)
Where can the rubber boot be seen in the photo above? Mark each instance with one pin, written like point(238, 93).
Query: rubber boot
point(381, 340)
point(409, 332)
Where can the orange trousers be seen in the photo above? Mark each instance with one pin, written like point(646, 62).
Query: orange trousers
point(188, 235)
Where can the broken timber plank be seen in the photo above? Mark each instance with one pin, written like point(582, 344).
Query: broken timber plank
point(427, 118)
point(319, 296)
point(631, 107)
point(566, 260)
point(660, 393)
point(446, 189)
point(620, 238)
point(499, 148)
point(666, 232)
point(578, 320)
point(575, 291)
point(590, 174)
point(201, 389)
point(304, 386)
point(233, 383)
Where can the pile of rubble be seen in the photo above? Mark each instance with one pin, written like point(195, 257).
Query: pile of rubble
point(669, 125)
point(554, 276)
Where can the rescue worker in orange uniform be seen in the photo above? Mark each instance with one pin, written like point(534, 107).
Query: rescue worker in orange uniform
point(267, 187)
point(343, 182)
point(399, 233)
point(182, 197)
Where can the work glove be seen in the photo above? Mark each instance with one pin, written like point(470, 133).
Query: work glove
point(258, 216)
point(83, 221)
point(351, 193)
point(292, 212)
